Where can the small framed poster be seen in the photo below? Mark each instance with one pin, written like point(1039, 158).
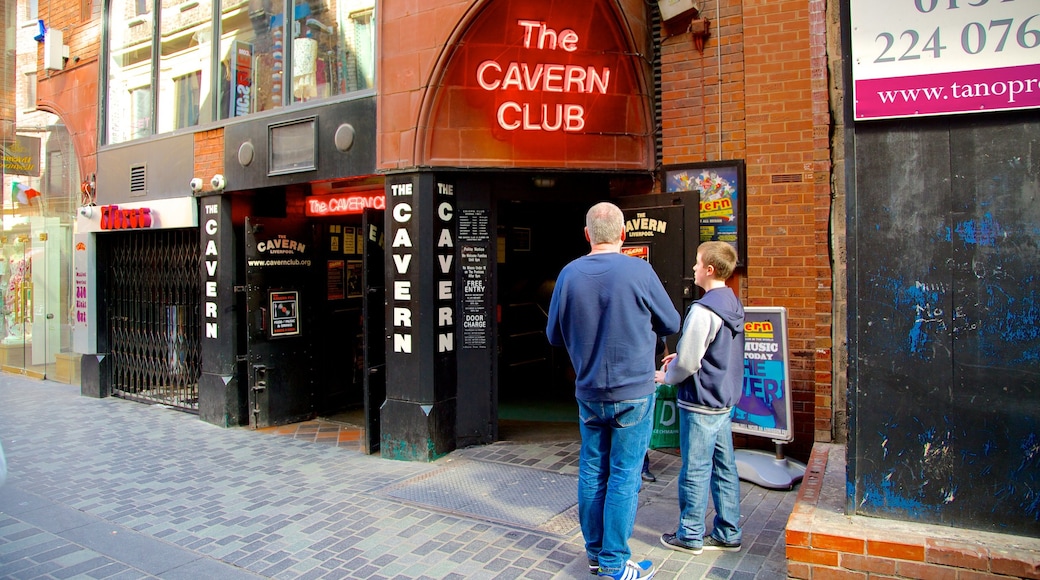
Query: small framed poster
point(354, 278)
point(285, 313)
point(722, 189)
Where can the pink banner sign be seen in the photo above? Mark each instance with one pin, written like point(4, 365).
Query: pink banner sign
point(972, 91)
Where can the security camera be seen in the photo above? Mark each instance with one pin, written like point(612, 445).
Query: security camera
point(218, 182)
point(195, 184)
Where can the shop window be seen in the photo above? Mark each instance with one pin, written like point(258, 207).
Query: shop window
point(130, 71)
point(330, 44)
point(186, 98)
point(140, 112)
point(364, 49)
point(268, 54)
point(55, 173)
point(30, 10)
point(185, 54)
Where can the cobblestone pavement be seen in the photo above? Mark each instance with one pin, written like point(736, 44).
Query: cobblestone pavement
point(108, 488)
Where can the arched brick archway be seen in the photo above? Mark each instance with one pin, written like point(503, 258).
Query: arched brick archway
point(541, 85)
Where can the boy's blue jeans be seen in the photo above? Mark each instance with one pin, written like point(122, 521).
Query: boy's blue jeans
point(614, 440)
point(706, 443)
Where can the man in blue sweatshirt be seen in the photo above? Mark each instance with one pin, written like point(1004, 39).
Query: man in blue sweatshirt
point(608, 310)
point(708, 369)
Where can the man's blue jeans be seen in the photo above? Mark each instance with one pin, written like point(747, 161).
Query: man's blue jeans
point(614, 440)
point(706, 443)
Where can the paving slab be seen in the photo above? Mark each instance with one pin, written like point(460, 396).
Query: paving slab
point(109, 488)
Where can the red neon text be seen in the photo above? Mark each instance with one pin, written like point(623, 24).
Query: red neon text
point(344, 204)
point(113, 218)
point(492, 75)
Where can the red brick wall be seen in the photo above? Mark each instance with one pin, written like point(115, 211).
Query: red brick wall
point(824, 544)
point(754, 94)
point(412, 36)
point(209, 156)
point(72, 93)
point(412, 40)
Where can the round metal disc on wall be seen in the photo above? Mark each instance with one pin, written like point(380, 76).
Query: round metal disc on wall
point(344, 137)
point(245, 153)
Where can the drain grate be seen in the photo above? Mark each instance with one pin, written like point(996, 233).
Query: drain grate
point(524, 497)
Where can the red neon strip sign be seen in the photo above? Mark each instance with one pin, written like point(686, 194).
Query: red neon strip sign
point(347, 204)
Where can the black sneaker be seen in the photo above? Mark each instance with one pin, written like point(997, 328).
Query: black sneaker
point(710, 543)
point(593, 566)
point(671, 541)
point(647, 476)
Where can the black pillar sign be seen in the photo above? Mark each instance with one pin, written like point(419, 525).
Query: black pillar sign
point(765, 403)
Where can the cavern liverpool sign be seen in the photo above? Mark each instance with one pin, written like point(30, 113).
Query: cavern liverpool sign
point(543, 84)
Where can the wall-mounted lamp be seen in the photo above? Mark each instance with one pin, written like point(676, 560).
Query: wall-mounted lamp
point(544, 182)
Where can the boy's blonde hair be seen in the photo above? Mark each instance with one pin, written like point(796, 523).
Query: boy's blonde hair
point(721, 256)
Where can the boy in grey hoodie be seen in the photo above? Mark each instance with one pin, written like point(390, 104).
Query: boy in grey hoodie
point(708, 369)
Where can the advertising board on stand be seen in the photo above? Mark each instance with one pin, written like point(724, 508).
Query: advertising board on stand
point(939, 57)
point(765, 409)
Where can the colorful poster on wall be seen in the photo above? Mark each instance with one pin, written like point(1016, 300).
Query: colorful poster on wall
point(642, 252)
point(336, 284)
point(285, 313)
point(721, 188)
point(940, 57)
point(765, 403)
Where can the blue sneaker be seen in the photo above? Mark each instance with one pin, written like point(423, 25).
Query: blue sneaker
point(633, 571)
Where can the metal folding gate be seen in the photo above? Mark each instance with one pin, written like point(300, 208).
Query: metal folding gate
point(154, 316)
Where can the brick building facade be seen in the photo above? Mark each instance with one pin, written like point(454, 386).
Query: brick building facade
point(766, 88)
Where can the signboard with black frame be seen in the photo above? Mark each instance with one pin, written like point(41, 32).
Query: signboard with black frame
point(722, 189)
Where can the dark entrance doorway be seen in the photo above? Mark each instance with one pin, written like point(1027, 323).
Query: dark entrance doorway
point(281, 295)
point(315, 302)
point(374, 323)
point(535, 383)
point(537, 239)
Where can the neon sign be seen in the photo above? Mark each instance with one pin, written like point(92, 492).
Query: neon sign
point(325, 205)
point(113, 218)
point(543, 85)
point(549, 78)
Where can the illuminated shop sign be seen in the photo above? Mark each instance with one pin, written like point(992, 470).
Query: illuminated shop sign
point(346, 204)
point(114, 218)
point(548, 84)
point(178, 212)
point(565, 79)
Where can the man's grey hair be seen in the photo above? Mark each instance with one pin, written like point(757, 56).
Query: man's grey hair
point(605, 223)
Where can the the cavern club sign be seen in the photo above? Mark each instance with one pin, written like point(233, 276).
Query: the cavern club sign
point(344, 204)
point(543, 83)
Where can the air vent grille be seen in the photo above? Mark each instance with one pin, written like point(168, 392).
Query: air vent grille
point(138, 181)
point(787, 178)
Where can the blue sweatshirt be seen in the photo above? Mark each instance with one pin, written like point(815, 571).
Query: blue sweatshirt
point(608, 310)
point(708, 367)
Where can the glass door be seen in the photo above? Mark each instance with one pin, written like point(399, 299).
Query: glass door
point(16, 285)
point(47, 239)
